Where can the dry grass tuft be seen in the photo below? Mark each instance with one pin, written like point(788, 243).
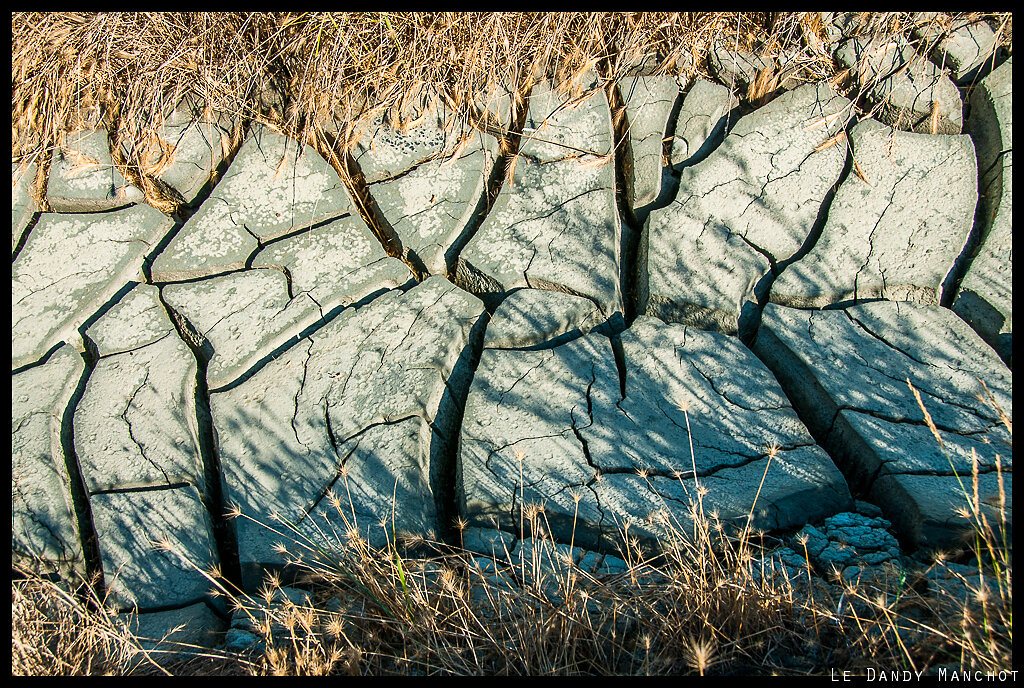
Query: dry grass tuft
point(317, 75)
point(60, 632)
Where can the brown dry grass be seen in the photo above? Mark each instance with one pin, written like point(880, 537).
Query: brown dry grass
point(57, 631)
point(701, 607)
point(301, 70)
point(319, 77)
point(314, 72)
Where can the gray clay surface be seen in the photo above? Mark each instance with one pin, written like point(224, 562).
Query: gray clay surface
point(529, 349)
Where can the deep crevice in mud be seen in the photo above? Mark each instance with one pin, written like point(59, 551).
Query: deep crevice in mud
point(76, 481)
point(620, 363)
point(174, 607)
point(508, 147)
point(962, 263)
point(184, 212)
point(112, 209)
point(750, 316)
point(633, 244)
point(986, 204)
point(23, 238)
point(41, 183)
point(629, 226)
point(225, 535)
point(670, 132)
point(102, 310)
point(453, 402)
point(141, 488)
point(669, 175)
point(803, 392)
point(460, 273)
point(331, 148)
point(41, 361)
point(151, 256)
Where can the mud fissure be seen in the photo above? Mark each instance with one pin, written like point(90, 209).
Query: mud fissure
point(447, 453)
point(225, 536)
point(76, 480)
point(331, 148)
point(630, 228)
point(750, 315)
point(510, 141)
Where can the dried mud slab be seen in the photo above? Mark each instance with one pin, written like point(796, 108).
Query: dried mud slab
point(154, 545)
point(136, 440)
point(559, 429)
point(737, 69)
point(537, 317)
point(967, 50)
point(649, 101)
point(701, 121)
point(358, 411)
point(135, 425)
point(426, 181)
point(274, 186)
point(895, 236)
point(83, 177)
point(751, 204)
point(555, 224)
point(185, 151)
point(44, 526)
point(847, 371)
point(339, 262)
point(174, 633)
point(904, 89)
point(23, 206)
point(69, 267)
point(246, 316)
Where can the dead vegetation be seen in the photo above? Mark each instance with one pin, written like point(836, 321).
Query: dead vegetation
point(705, 606)
point(301, 71)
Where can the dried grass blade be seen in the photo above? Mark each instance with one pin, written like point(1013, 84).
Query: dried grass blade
point(860, 173)
point(829, 142)
point(927, 416)
point(510, 171)
point(933, 120)
point(825, 121)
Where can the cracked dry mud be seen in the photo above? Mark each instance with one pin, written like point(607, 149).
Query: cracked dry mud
point(756, 344)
